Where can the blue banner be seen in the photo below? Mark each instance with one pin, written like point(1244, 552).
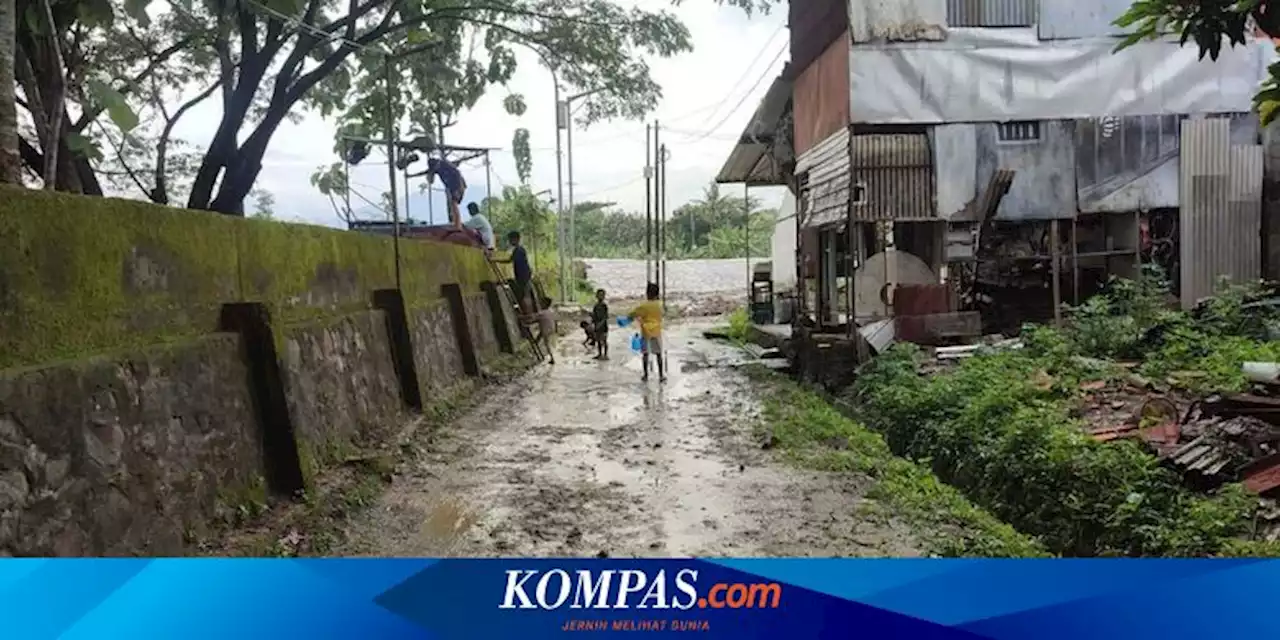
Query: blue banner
point(512, 598)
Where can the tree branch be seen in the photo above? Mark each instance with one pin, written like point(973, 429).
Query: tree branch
point(123, 163)
point(160, 194)
point(154, 65)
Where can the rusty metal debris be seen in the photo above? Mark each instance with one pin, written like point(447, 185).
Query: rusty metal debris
point(1218, 440)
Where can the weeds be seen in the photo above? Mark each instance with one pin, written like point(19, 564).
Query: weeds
point(1200, 350)
point(816, 435)
point(999, 428)
point(739, 325)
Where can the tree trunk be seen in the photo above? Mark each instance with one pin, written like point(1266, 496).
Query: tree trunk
point(10, 161)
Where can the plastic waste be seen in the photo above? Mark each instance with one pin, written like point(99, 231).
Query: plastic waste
point(636, 343)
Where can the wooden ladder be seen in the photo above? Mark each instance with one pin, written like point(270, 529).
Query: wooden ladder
point(504, 285)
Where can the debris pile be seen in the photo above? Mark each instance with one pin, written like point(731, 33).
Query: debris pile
point(1217, 440)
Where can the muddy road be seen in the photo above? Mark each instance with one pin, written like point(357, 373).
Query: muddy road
point(583, 459)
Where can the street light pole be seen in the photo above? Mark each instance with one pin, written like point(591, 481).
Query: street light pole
point(560, 230)
point(567, 110)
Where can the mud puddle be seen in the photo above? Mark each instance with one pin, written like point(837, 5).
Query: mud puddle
point(583, 459)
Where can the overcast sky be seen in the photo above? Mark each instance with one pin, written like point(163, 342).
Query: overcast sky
point(709, 94)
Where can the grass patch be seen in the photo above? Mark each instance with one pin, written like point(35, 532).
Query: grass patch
point(999, 428)
point(814, 434)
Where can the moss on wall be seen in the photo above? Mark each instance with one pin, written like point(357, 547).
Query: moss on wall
point(82, 275)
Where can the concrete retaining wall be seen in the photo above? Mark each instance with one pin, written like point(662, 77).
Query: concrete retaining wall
point(160, 367)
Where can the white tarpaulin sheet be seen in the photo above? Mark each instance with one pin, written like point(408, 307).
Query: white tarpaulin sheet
point(986, 75)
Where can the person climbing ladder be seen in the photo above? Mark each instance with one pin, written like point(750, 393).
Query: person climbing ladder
point(454, 185)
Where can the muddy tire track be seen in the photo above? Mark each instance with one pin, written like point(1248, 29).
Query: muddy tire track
point(583, 459)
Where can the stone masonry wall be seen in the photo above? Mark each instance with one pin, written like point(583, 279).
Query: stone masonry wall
point(340, 383)
point(129, 455)
point(159, 367)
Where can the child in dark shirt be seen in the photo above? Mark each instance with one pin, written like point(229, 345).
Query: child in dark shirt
point(600, 324)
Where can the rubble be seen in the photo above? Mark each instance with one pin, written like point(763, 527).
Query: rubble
point(1218, 440)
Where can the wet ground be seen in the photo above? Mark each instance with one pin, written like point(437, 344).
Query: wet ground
point(583, 459)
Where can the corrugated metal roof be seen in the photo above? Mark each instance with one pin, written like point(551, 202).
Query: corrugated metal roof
point(758, 157)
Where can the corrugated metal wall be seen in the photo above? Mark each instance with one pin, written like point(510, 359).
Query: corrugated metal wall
point(827, 164)
point(991, 13)
point(896, 171)
point(1221, 209)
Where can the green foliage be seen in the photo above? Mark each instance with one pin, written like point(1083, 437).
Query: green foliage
point(739, 325)
point(708, 228)
point(1208, 23)
point(999, 428)
point(815, 434)
point(1135, 320)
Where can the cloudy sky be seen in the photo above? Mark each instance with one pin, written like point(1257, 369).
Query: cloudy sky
point(710, 94)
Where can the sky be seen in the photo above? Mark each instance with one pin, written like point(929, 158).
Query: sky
point(709, 95)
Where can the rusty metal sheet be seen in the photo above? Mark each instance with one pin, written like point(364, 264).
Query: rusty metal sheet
point(922, 299)
point(937, 328)
point(821, 96)
point(895, 172)
point(1220, 191)
point(1263, 475)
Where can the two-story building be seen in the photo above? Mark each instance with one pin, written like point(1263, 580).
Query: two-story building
point(916, 123)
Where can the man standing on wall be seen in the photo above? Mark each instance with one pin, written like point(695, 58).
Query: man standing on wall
point(454, 185)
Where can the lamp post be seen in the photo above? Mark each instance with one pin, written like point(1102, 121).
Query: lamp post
point(567, 117)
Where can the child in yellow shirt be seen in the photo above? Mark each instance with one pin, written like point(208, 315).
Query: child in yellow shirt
point(649, 316)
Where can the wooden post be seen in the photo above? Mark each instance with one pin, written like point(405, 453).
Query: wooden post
point(1055, 253)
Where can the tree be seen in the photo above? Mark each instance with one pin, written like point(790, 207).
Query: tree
point(10, 163)
point(1209, 23)
point(335, 58)
point(264, 204)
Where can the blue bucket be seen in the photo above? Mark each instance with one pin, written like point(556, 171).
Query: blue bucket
point(623, 321)
point(637, 343)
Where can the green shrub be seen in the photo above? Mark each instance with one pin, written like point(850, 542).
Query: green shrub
point(814, 433)
point(998, 427)
point(739, 325)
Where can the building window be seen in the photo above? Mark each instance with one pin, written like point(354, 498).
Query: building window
point(1018, 131)
point(859, 193)
point(991, 13)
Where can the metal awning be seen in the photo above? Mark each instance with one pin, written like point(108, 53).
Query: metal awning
point(758, 158)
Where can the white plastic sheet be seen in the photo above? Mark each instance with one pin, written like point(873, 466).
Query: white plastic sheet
point(997, 75)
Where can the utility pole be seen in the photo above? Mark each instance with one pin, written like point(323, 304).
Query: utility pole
point(568, 126)
point(391, 162)
point(657, 188)
point(648, 205)
point(662, 225)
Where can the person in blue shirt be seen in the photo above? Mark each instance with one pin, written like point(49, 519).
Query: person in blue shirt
point(454, 184)
point(520, 265)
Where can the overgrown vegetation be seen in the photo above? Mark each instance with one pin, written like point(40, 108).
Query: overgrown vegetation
point(816, 435)
point(999, 425)
point(1201, 350)
point(739, 325)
